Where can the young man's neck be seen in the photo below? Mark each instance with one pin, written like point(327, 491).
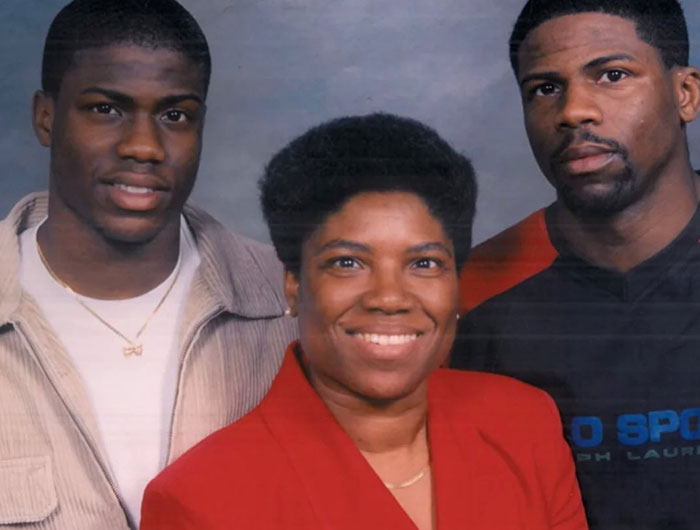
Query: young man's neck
point(94, 266)
point(637, 233)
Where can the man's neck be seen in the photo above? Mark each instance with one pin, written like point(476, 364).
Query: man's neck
point(637, 233)
point(93, 266)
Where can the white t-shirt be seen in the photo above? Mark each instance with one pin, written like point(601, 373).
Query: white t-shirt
point(132, 396)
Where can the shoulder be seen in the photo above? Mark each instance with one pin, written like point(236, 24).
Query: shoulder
point(505, 260)
point(233, 245)
point(238, 472)
point(235, 457)
point(244, 273)
point(27, 212)
point(494, 401)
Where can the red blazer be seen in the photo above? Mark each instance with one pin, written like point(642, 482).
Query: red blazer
point(498, 462)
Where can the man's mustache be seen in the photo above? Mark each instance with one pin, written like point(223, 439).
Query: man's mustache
point(585, 136)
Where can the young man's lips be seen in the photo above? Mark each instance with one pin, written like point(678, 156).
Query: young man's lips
point(135, 191)
point(134, 197)
point(136, 180)
point(586, 159)
point(589, 164)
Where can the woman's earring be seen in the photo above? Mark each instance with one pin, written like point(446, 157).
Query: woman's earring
point(288, 312)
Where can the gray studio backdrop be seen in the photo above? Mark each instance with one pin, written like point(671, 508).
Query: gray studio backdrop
point(282, 66)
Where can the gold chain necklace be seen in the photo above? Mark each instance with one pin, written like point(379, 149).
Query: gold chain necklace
point(410, 482)
point(133, 347)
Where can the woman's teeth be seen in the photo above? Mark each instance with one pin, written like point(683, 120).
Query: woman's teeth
point(387, 340)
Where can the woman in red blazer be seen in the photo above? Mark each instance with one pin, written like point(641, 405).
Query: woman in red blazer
point(361, 429)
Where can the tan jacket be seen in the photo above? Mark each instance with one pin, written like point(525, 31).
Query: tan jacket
point(53, 469)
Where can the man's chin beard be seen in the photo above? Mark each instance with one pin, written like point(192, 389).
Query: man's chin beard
point(620, 195)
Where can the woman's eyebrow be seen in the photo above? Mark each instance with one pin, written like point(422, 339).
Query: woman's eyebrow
point(344, 243)
point(431, 245)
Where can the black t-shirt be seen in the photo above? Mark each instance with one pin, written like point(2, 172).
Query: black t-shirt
point(620, 354)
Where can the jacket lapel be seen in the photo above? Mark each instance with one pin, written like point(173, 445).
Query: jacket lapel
point(342, 488)
point(468, 469)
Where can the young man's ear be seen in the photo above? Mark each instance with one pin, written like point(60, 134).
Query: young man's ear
point(291, 291)
point(687, 84)
point(43, 107)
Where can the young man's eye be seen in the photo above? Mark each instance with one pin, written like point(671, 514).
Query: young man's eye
point(545, 89)
point(104, 108)
point(174, 116)
point(613, 76)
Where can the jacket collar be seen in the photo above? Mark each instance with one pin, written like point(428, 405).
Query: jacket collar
point(242, 275)
point(343, 490)
point(231, 270)
point(26, 213)
point(639, 281)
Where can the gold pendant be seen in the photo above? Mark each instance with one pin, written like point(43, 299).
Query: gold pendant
point(133, 349)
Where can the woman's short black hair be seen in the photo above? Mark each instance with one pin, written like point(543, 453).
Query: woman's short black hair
point(86, 24)
point(319, 171)
point(660, 23)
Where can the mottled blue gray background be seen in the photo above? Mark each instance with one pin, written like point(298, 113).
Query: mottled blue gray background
point(281, 66)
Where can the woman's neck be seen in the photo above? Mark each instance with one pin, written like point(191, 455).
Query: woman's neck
point(392, 436)
point(376, 426)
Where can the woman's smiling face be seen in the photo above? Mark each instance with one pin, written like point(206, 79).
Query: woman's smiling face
point(376, 297)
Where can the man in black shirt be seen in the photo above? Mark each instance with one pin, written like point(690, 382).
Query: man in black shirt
point(596, 298)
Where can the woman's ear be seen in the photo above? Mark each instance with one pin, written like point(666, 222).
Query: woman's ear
point(687, 86)
point(43, 107)
point(291, 291)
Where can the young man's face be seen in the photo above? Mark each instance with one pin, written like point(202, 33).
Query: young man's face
point(125, 132)
point(602, 111)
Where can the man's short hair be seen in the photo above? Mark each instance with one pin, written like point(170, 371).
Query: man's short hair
point(317, 173)
point(660, 23)
point(86, 24)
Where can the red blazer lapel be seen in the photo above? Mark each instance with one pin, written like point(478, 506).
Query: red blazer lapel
point(456, 504)
point(342, 488)
point(467, 474)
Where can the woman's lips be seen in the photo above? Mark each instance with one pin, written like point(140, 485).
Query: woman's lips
point(387, 345)
point(385, 339)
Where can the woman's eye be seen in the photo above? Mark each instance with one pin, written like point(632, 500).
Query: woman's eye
point(345, 262)
point(427, 263)
point(613, 76)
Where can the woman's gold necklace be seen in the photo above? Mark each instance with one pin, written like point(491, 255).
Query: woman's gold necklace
point(133, 347)
point(410, 482)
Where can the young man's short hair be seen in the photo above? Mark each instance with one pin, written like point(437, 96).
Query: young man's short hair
point(86, 24)
point(660, 23)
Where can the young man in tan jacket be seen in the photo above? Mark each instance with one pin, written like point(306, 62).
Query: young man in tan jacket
point(131, 324)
